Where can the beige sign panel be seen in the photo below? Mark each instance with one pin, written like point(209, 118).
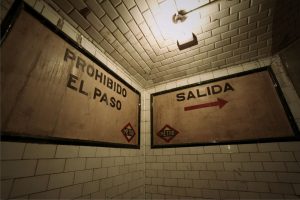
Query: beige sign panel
point(241, 108)
point(51, 90)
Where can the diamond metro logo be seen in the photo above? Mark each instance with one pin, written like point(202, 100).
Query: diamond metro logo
point(167, 133)
point(128, 132)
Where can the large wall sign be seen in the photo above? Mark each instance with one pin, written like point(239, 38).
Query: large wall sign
point(245, 107)
point(54, 91)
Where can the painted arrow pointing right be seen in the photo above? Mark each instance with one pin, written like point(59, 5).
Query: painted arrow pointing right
point(220, 102)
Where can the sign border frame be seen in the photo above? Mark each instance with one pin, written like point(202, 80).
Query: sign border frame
point(6, 26)
point(288, 113)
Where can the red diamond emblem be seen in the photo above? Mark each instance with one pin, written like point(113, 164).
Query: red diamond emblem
point(128, 132)
point(167, 133)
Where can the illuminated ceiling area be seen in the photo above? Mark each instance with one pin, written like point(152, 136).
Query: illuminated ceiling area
point(144, 36)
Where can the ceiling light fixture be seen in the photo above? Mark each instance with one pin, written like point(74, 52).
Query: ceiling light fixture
point(185, 39)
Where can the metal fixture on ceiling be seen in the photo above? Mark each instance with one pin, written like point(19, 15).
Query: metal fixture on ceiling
point(189, 42)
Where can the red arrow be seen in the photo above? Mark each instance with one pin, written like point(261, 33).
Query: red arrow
point(220, 102)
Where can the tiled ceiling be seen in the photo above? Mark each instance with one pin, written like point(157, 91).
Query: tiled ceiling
point(131, 32)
